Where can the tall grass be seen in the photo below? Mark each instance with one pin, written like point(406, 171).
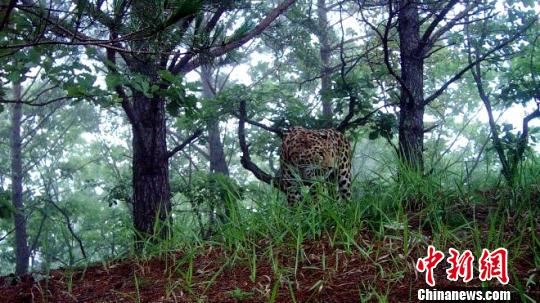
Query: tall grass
point(408, 210)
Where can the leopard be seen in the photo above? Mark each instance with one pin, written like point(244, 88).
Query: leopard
point(310, 155)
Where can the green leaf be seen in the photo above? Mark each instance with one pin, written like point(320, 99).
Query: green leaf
point(91, 52)
point(112, 80)
point(6, 209)
point(34, 56)
point(141, 84)
point(186, 8)
point(75, 91)
point(15, 77)
point(173, 108)
point(241, 31)
point(190, 101)
point(167, 76)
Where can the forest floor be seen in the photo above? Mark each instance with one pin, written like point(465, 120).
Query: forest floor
point(326, 273)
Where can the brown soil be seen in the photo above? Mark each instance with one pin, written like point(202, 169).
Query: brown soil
point(325, 274)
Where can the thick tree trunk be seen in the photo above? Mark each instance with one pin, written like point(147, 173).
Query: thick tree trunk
point(218, 162)
point(324, 51)
point(151, 189)
point(411, 115)
point(22, 251)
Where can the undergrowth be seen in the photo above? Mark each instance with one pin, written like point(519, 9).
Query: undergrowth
point(389, 223)
point(385, 227)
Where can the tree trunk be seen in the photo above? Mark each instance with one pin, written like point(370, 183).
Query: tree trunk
point(151, 190)
point(218, 162)
point(324, 51)
point(497, 144)
point(411, 115)
point(22, 252)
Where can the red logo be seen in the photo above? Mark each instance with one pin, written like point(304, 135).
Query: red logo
point(460, 265)
point(428, 263)
point(494, 265)
point(491, 265)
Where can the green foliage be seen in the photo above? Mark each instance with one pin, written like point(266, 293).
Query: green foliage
point(212, 188)
point(6, 209)
point(182, 9)
point(520, 82)
point(385, 125)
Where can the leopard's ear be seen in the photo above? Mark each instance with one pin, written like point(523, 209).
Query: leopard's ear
point(296, 127)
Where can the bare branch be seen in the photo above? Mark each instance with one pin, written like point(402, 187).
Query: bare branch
point(362, 120)
point(440, 16)
point(245, 159)
point(271, 129)
point(430, 40)
point(384, 40)
point(428, 129)
point(30, 103)
point(523, 139)
point(176, 138)
point(7, 234)
point(187, 141)
point(353, 100)
point(40, 229)
point(96, 13)
point(68, 223)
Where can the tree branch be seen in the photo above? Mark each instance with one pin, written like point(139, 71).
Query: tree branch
point(427, 34)
point(96, 13)
point(523, 139)
point(384, 40)
point(30, 103)
point(201, 151)
point(477, 60)
point(187, 141)
point(223, 49)
point(271, 129)
point(68, 223)
point(7, 234)
point(346, 124)
point(7, 12)
point(434, 36)
point(477, 76)
point(245, 159)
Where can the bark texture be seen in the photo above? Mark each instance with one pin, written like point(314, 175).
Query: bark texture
point(147, 114)
point(324, 51)
point(22, 251)
point(151, 189)
point(411, 115)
